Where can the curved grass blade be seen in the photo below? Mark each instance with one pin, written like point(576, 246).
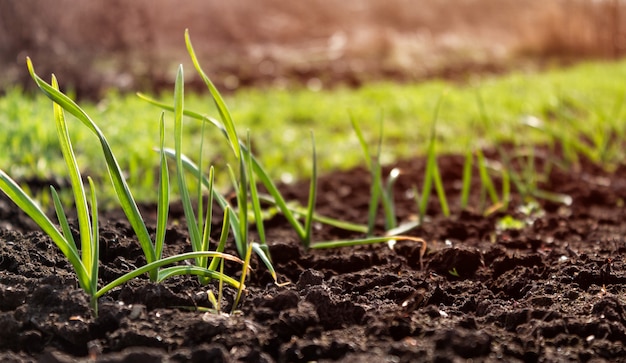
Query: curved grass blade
point(258, 169)
point(262, 252)
point(30, 207)
point(119, 183)
point(301, 211)
point(229, 125)
point(80, 199)
point(154, 266)
point(223, 203)
point(198, 271)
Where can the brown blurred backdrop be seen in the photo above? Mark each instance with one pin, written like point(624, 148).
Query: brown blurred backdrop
point(136, 45)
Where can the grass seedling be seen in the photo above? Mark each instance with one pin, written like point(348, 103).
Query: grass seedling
point(432, 175)
point(244, 182)
point(378, 190)
point(85, 262)
point(242, 153)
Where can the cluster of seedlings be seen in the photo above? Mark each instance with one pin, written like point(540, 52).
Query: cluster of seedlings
point(197, 192)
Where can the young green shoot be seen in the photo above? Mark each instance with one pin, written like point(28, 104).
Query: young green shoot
point(85, 262)
point(378, 191)
point(432, 175)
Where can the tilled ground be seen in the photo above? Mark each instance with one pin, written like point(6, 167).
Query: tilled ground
point(552, 291)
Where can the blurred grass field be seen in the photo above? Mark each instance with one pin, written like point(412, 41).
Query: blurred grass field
point(586, 98)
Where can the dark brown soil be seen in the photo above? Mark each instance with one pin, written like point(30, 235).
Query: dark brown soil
point(553, 291)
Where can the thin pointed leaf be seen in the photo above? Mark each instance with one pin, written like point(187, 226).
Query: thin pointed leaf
point(228, 123)
point(364, 241)
point(388, 200)
point(242, 280)
point(119, 183)
point(254, 195)
point(223, 237)
point(26, 204)
point(95, 248)
point(485, 178)
point(265, 257)
point(80, 199)
point(198, 271)
point(223, 203)
point(154, 266)
point(361, 138)
point(258, 169)
point(206, 235)
point(194, 232)
point(308, 224)
point(164, 195)
point(441, 193)
point(62, 218)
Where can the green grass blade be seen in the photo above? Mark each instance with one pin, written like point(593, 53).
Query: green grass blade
point(242, 280)
point(163, 201)
point(441, 193)
point(30, 207)
point(198, 271)
point(485, 178)
point(206, 234)
point(430, 165)
point(360, 242)
point(375, 192)
point(242, 208)
point(229, 125)
point(308, 224)
point(65, 226)
point(119, 183)
point(154, 266)
point(428, 182)
point(278, 198)
point(242, 203)
point(254, 194)
point(301, 211)
point(199, 198)
point(223, 238)
point(80, 199)
point(223, 203)
point(95, 247)
point(194, 232)
point(388, 200)
point(263, 253)
point(258, 169)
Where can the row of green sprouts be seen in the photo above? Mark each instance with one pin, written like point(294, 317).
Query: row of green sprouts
point(246, 174)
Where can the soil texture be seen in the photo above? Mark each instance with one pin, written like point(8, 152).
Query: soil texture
point(550, 291)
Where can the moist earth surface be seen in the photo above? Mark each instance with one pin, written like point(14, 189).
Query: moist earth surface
point(552, 289)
